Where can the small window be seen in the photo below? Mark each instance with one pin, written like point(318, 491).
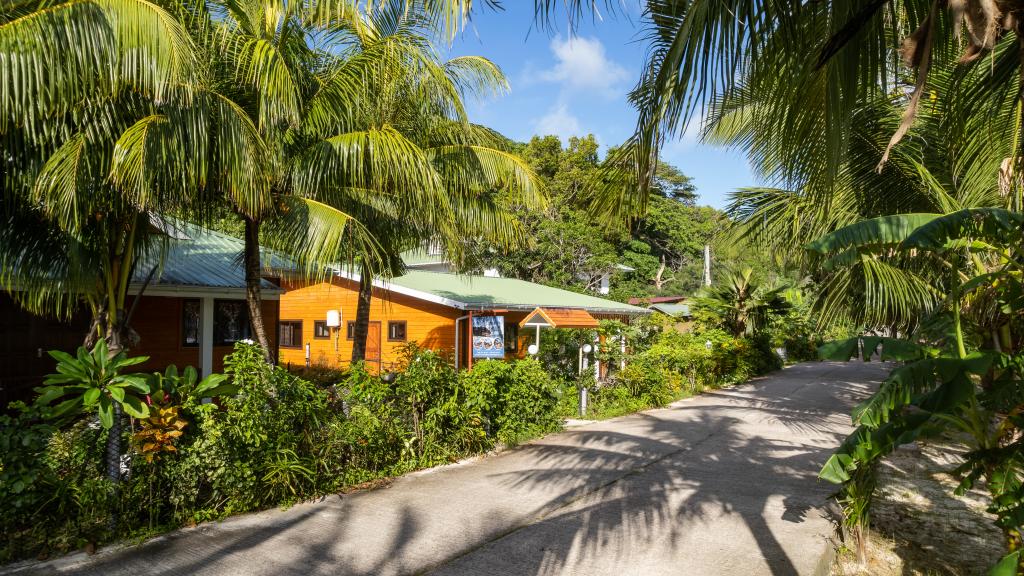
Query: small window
point(230, 322)
point(291, 334)
point(320, 330)
point(511, 337)
point(350, 330)
point(396, 331)
point(191, 310)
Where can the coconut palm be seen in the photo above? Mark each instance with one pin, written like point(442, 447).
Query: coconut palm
point(289, 71)
point(418, 99)
point(88, 164)
point(953, 158)
point(829, 57)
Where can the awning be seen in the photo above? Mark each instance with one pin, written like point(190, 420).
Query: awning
point(559, 318)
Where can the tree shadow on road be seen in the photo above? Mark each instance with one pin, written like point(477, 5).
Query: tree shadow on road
point(634, 496)
point(641, 498)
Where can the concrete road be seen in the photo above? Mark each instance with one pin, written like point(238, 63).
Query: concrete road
point(724, 483)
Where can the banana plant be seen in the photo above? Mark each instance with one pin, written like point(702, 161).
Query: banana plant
point(977, 394)
point(92, 382)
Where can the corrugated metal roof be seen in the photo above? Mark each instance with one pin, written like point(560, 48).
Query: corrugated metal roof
point(677, 310)
point(421, 257)
point(197, 257)
point(657, 300)
point(484, 292)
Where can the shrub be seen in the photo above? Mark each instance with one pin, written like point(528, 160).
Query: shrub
point(527, 403)
point(274, 438)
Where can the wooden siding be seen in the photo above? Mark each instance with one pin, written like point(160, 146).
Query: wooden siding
point(428, 324)
point(24, 342)
point(158, 321)
point(25, 339)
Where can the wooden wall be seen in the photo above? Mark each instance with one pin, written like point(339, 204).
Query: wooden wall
point(158, 322)
point(24, 342)
point(430, 325)
point(25, 339)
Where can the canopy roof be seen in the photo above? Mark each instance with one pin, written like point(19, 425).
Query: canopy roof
point(560, 318)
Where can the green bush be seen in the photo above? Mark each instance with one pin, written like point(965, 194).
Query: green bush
point(273, 438)
point(679, 364)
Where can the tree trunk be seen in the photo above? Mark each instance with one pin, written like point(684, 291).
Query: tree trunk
point(661, 270)
point(362, 327)
point(114, 465)
point(253, 298)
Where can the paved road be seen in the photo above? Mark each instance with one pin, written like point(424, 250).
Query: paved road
point(720, 484)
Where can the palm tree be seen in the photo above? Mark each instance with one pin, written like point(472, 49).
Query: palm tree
point(130, 130)
point(100, 131)
point(743, 306)
point(822, 60)
point(953, 158)
point(461, 168)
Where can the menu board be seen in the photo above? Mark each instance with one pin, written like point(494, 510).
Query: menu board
point(488, 337)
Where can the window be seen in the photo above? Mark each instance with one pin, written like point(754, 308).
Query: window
point(290, 334)
point(320, 330)
point(230, 322)
point(350, 330)
point(396, 331)
point(190, 313)
point(511, 337)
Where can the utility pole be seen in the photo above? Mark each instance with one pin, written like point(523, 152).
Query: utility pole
point(707, 265)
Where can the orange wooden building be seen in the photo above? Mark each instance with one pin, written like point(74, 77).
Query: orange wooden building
point(192, 311)
point(450, 313)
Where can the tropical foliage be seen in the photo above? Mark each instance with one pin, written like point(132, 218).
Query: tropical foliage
point(270, 438)
point(659, 254)
point(977, 394)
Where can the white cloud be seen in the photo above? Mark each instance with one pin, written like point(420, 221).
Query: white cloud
point(583, 65)
point(558, 121)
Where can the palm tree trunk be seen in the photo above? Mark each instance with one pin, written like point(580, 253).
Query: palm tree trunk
point(114, 465)
point(253, 298)
point(362, 327)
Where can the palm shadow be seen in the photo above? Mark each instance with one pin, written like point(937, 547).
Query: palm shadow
point(627, 497)
point(651, 493)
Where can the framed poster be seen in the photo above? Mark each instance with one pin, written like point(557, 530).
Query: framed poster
point(488, 337)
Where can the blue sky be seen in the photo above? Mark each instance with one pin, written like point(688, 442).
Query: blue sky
point(575, 85)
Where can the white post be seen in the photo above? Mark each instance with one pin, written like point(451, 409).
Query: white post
point(206, 337)
point(622, 360)
point(537, 341)
point(597, 363)
point(707, 265)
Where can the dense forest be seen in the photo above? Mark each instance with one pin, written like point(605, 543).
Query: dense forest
point(659, 254)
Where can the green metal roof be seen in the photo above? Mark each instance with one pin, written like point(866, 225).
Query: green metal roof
point(421, 257)
point(201, 258)
point(485, 292)
point(677, 310)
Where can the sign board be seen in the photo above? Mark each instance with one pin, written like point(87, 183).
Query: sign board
point(488, 337)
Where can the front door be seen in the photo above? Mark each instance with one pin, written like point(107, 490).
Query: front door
point(373, 343)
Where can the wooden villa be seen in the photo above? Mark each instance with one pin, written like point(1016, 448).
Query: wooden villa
point(192, 310)
point(438, 310)
point(191, 313)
